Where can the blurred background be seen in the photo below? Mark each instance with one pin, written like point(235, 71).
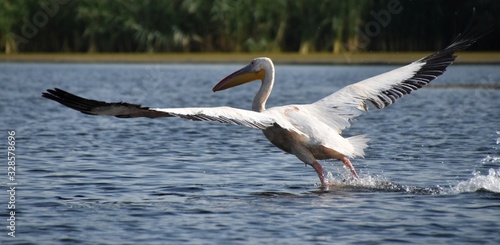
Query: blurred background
point(148, 26)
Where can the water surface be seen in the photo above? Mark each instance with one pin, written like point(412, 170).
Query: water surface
point(431, 172)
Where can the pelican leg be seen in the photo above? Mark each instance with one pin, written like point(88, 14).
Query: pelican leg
point(349, 165)
point(308, 158)
point(321, 173)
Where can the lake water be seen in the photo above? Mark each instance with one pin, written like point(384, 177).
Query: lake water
point(431, 173)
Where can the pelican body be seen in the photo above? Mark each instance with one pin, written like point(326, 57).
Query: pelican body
point(311, 132)
point(299, 129)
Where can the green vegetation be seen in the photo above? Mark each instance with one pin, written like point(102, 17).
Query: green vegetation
point(239, 25)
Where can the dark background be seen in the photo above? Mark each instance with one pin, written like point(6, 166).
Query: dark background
point(241, 25)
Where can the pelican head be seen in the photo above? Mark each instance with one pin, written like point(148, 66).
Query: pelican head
point(253, 71)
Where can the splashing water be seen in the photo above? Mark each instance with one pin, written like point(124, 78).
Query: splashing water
point(478, 183)
point(490, 182)
point(343, 179)
point(491, 159)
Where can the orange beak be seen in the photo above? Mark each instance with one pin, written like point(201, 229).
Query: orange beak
point(239, 77)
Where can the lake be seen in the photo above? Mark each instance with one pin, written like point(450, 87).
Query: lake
point(430, 175)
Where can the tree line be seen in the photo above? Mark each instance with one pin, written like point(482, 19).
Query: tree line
point(239, 25)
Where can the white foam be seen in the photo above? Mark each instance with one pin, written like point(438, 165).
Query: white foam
point(378, 182)
point(490, 182)
point(491, 159)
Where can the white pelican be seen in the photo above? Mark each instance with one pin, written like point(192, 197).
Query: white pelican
point(309, 131)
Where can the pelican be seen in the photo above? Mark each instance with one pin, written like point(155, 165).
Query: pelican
point(311, 132)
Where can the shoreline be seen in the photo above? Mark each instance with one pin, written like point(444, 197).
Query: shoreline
point(278, 58)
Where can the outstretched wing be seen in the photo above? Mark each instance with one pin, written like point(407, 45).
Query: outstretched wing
point(385, 89)
point(226, 115)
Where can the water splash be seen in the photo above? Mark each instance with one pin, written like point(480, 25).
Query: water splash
point(490, 182)
point(478, 183)
point(493, 159)
point(379, 183)
point(490, 159)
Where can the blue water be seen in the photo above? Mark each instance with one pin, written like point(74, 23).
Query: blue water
point(430, 175)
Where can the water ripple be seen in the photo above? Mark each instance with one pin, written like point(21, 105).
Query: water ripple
point(430, 174)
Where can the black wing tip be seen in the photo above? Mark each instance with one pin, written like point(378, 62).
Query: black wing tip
point(442, 59)
point(58, 94)
point(72, 101)
point(433, 66)
point(96, 107)
point(54, 91)
point(54, 94)
point(463, 40)
point(473, 31)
